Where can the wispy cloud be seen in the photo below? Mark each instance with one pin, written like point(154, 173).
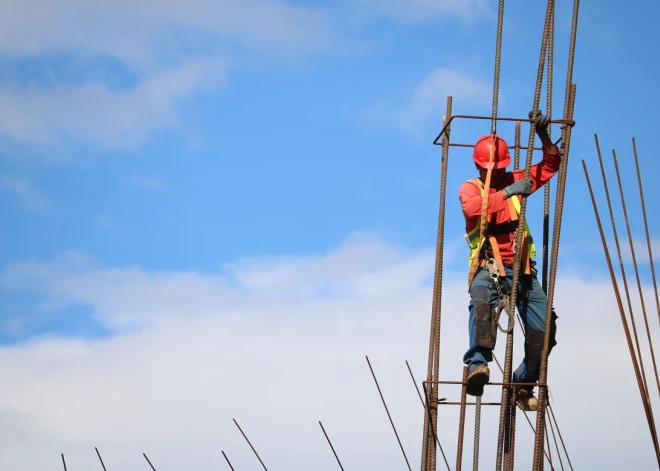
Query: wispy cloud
point(95, 113)
point(29, 196)
point(425, 10)
point(428, 100)
point(210, 342)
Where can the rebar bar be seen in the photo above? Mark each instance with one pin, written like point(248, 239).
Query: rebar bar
point(388, 413)
point(249, 443)
point(461, 422)
point(332, 447)
point(546, 194)
point(646, 227)
point(145, 457)
point(430, 418)
point(227, 460)
point(559, 207)
point(63, 462)
point(552, 417)
point(554, 438)
point(639, 281)
point(477, 435)
point(516, 148)
point(498, 60)
point(623, 319)
point(435, 436)
point(623, 271)
point(502, 447)
point(100, 459)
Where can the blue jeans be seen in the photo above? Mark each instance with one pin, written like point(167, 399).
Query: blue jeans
point(532, 305)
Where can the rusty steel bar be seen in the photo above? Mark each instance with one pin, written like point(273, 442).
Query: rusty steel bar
point(451, 403)
point(552, 417)
point(498, 60)
point(517, 384)
point(426, 409)
point(388, 413)
point(554, 438)
point(623, 319)
point(455, 144)
point(546, 194)
point(145, 457)
point(63, 462)
point(503, 448)
point(516, 147)
point(490, 383)
point(559, 206)
point(639, 281)
point(461, 422)
point(227, 459)
point(564, 122)
point(100, 459)
point(512, 433)
point(332, 447)
point(430, 419)
point(623, 271)
point(477, 435)
point(646, 227)
point(247, 440)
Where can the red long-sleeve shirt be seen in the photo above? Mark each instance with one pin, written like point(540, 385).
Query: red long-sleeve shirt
point(498, 211)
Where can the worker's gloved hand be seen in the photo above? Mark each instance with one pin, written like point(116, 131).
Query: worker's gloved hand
point(541, 123)
point(521, 187)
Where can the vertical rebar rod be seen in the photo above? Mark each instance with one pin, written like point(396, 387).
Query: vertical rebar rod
point(623, 318)
point(332, 447)
point(623, 271)
point(477, 435)
point(639, 281)
point(502, 447)
point(646, 227)
point(145, 457)
point(63, 462)
point(247, 440)
point(388, 414)
point(498, 60)
point(227, 460)
point(516, 152)
point(528, 421)
point(100, 459)
point(430, 418)
point(552, 417)
point(554, 438)
point(421, 399)
point(512, 428)
point(559, 206)
point(461, 422)
point(546, 195)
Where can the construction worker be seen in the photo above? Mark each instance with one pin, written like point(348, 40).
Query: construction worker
point(491, 258)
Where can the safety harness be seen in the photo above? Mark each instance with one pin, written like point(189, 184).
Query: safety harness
point(484, 251)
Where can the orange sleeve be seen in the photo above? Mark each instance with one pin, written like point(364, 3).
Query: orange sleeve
point(471, 201)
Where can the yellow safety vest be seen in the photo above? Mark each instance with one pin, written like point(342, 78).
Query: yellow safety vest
point(475, 244)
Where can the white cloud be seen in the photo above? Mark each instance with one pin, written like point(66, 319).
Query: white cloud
point(423, 10)
point(279, 344)
point(95, 113)
point(28, 195)
point(137, 31)
point(429, 99)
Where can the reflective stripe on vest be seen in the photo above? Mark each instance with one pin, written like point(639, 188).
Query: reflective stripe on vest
point(475, 244)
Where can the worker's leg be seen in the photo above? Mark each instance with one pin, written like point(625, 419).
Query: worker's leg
point(532, 306)
point(483, 294)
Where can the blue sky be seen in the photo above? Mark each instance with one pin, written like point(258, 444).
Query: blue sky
point(225, 143)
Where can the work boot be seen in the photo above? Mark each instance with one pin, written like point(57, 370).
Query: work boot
point(476, 380)
point(526, 400)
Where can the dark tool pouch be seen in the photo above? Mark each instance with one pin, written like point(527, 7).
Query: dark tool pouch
point(486, 324)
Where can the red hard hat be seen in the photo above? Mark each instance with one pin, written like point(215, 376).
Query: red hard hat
point(481, 154)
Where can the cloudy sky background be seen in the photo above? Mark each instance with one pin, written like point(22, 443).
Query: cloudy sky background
point(216, 210)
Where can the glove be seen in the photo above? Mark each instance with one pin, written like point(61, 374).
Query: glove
point(521, 187)
point(541, 123)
